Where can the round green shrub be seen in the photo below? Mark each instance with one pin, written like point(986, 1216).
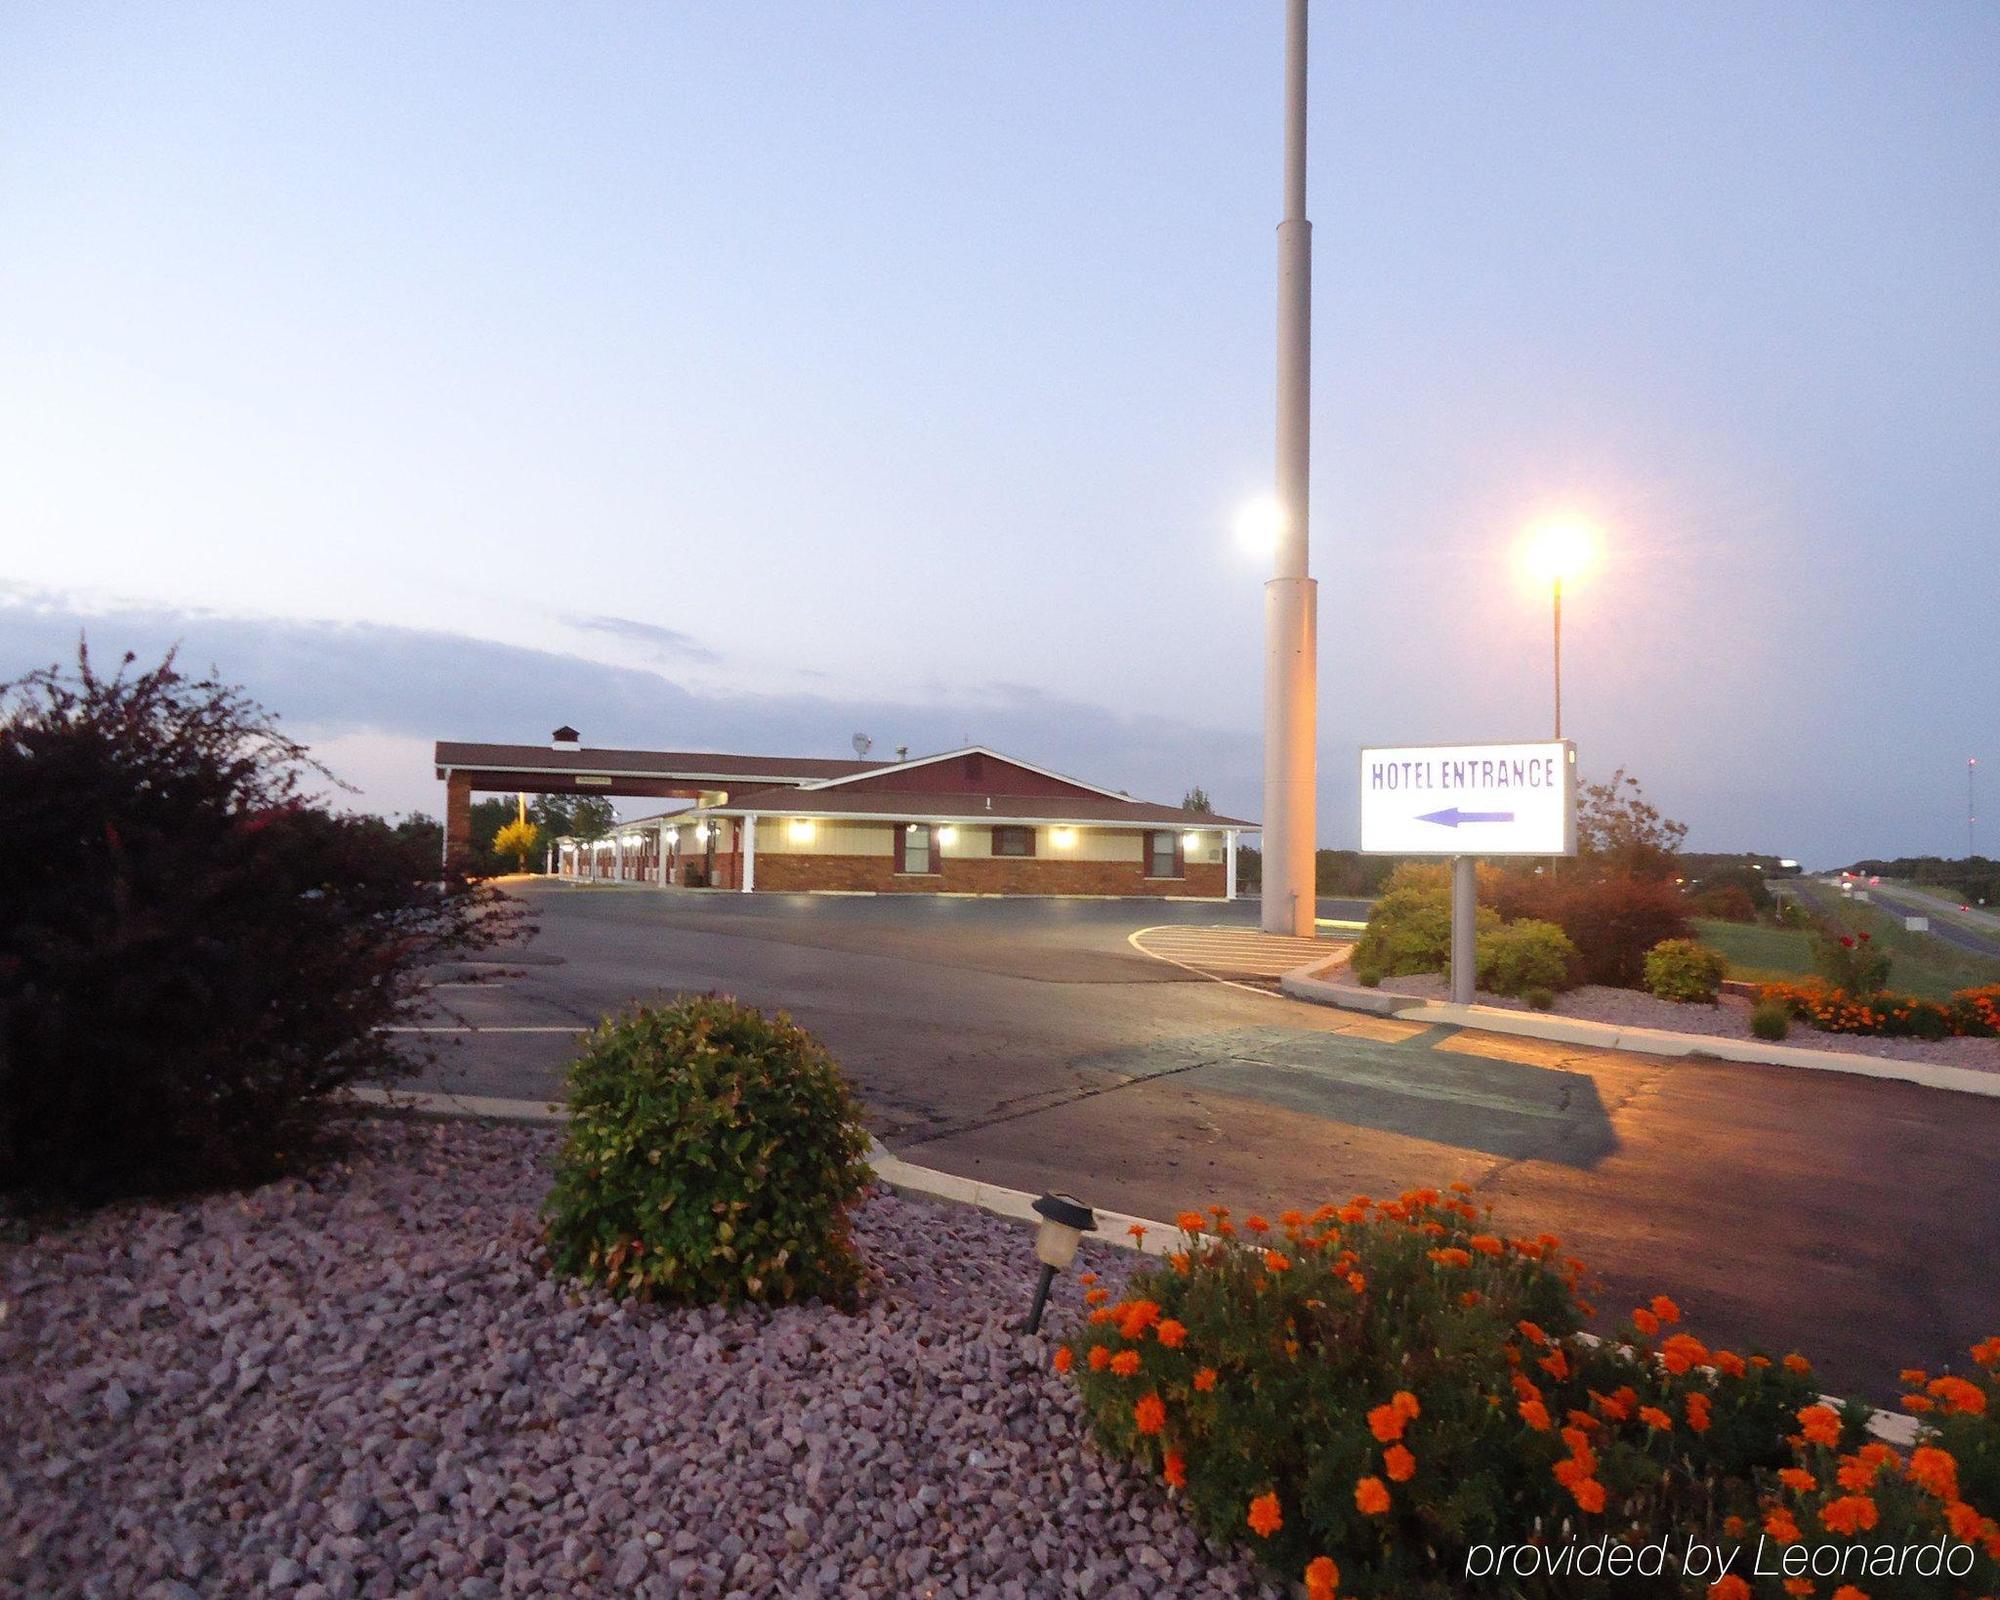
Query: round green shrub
point(1367, 977)
point(1684, 970)
point(1770, 1020)
point(1409, 928)
point(712, 1154)
point(1525, 955)
point(1540, 998)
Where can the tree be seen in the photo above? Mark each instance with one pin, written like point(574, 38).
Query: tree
point(518, 839)
point(194, 955)
point(1618, 831)
point(1196, 799)
point(577, 816)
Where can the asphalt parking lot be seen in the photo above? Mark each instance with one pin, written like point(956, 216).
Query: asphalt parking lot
point(1029, 1043)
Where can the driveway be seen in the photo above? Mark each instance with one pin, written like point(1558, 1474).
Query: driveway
point(1030, 1044)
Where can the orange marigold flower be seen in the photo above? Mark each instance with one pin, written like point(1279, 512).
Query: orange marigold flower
point(1149, 1416)
point(1406, 1403)
point(1204, 1380)
point(1534, 1414)
point(1820, 1424)
point(1797, 1479)
point(1086, 1277)
point(1459, 1187)
point(1170, 1333)
point(1729, 1363)
point(1292, 1219)
point(1451, 1257)
point(1760, 1361)
point(1125, 1363)
point(1180, 1263)
point(1136, 1316)
point(1848, 1591)
point(1913, 1377)
point(1371, 1497)
point(1256, 1224)
point(1959, 1395)
point(1781, 1526)
point(1174, 1470)
point(1655, 1418)
point(1275, 1261)
point(1532, 1333)
point(1589, 1494)
point(1471, 1297)
point(1100, 1358)
point(1097, 1297)
point(1356, 1282)
point(1849, 1515)
point(1645, 1322)
point(1798, 1586)
point(1698, 1414)
point(1735, 1526)
point(1322, 1578)
point(1682, 1354)
point(1555, 1363)
point(1399, 1464)
point(1137, 1230)
point(1615, 1406)
point(1729, 1587)
point(1987, 1351)
point(1797, 1363)
point(1189, 1222)
point(1934, 1471)
point(1964, 1521)
point(1856, 1473)
point(1265, 1516)
point(1063, 1358)
point(1485, 1244)
point(1917, 1404)
point(1665, 1309)
point(1386, 1423)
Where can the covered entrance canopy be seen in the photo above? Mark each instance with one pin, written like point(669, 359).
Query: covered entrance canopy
point(564, 766)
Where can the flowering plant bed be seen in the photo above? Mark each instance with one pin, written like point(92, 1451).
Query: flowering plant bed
point(1970, 1013)
point(1370, 1396)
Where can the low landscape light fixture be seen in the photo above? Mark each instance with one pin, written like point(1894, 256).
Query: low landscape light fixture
point(1065, 1220)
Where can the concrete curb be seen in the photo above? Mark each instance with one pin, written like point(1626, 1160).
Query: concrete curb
point(453, 1107)
point(1302, 984)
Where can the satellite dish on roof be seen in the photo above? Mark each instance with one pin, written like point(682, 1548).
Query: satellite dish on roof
point(862, 745)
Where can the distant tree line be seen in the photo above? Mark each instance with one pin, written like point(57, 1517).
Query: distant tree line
point(550, 817)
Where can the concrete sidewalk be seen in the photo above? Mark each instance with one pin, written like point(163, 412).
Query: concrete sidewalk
point(1312, 983)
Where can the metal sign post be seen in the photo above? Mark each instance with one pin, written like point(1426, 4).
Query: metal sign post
point(1467, 802)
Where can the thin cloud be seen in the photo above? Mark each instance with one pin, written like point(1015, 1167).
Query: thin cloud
point(663, 642)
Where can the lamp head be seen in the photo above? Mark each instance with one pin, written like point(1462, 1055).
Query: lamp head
point(1065, 1220)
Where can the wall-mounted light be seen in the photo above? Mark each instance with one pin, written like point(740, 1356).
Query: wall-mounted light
point(1191, 841)
point(801, 830)
point(1064, 837)
point(947, 834)
point(701, 831)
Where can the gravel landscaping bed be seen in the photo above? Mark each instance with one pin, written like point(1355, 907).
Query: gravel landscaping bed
point(365, 1384)
point(1728, 1019)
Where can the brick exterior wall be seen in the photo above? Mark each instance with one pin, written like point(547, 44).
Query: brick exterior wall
point(792, 872)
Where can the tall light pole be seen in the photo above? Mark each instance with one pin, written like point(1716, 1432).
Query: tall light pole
point(1291, 598)
point(1553, 551)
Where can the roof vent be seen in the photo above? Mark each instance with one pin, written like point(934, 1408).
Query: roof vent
point(565, 738)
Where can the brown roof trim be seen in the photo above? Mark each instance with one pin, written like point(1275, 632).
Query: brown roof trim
point(721, 766)
point(1081, 811)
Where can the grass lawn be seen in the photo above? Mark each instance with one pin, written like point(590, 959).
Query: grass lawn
point(1758, 954)
point(1920, 963)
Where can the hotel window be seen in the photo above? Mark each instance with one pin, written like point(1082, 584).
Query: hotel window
point(1013, 841)
point(916, 849)
point(1163, 855)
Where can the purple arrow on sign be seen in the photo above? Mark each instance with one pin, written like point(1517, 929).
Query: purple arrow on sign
point(1451, 817)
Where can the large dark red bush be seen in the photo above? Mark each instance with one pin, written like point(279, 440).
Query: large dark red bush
point(193, 956)
point(1612, 921)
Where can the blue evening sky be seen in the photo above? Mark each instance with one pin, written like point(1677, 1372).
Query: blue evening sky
point(750, 374)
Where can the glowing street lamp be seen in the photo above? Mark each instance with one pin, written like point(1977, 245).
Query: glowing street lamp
point(1558, 550)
